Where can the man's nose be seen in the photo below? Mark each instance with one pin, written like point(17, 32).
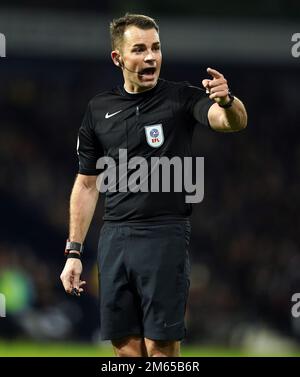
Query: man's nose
point(149, 56)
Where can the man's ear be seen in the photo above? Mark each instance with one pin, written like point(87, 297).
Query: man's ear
point(115, 55)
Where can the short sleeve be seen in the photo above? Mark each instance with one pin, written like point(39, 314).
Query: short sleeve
point(89, 149)
point(195, 102)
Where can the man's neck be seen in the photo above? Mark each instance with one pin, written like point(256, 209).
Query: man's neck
point(146, 90)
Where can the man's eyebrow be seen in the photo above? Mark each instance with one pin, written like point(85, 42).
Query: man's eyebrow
point(143, 44)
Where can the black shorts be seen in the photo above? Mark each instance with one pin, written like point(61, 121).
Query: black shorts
point(144, 279)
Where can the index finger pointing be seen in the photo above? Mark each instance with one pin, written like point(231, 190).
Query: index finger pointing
point(214, 73)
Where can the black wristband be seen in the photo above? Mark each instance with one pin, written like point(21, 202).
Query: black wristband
point(73, 255)
point(229, 103)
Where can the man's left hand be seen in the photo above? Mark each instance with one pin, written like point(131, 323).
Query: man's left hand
point(216, 87)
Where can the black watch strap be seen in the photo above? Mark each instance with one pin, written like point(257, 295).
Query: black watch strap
point(73, 246)
point(229, 103)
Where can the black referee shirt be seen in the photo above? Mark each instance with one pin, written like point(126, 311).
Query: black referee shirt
point(119, 120)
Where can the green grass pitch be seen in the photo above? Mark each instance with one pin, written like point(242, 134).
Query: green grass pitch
point(24, 348)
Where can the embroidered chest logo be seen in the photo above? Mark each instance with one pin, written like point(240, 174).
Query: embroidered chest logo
point(154, 135)
point(107, 115)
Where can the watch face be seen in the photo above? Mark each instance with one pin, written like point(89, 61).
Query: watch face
point(76, 246)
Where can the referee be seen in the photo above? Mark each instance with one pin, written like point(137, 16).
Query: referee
point(143, 247)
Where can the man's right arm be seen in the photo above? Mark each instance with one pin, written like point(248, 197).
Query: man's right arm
point(83, 202)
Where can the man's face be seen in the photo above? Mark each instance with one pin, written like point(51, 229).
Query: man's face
point(141, 54)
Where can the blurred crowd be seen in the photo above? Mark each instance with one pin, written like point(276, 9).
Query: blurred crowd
point(245, 245)
point(265, 8)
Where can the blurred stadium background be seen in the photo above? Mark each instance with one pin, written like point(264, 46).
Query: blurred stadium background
point(245, 245)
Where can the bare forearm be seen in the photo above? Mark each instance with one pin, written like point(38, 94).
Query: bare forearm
point(82, 207)
point(235, 117)
point(228, 120)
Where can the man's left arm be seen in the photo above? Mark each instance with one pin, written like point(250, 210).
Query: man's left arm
point(231, 119)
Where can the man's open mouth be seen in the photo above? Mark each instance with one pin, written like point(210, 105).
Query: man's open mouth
point(147, 71)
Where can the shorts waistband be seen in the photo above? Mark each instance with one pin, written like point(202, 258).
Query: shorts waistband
point(148, 222)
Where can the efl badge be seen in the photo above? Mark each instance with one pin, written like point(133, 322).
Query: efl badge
point(154, 135)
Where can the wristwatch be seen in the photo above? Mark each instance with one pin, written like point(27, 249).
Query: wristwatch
point(229, 103)
point(73, 246)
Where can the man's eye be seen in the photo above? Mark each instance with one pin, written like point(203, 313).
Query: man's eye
point(157, 48)
point(138, 49)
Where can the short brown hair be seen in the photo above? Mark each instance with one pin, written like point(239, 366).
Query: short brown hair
point(119, 25)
